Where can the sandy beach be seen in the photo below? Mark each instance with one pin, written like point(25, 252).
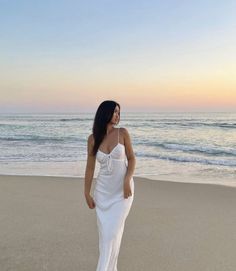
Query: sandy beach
point(46, 225)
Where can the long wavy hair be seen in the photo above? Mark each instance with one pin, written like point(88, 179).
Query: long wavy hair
point(102, 117)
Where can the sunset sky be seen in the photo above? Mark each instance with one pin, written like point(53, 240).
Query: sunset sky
point(68, 56)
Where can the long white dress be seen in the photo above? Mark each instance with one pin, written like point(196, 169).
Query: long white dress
point(111, 206)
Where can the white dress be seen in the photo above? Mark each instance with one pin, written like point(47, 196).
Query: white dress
point(111, 206)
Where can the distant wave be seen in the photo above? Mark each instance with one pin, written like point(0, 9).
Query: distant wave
point(34, 138)
point(136, 121)
point(75, 119)
point(193, 148)
point(181, 123)
point(201, 149)
point(215, 124)
point(230, 163)
point(16, 121)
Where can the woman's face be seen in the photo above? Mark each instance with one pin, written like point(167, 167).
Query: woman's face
point(116, 115)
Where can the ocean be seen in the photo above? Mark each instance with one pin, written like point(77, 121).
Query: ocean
point(183, 147)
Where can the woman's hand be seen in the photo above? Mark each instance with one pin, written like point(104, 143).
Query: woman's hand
point(90, 201)
point(127, 189)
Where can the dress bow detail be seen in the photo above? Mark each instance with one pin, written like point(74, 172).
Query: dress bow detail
point(109, 162)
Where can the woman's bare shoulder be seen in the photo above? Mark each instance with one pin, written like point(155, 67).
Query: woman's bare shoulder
point(91, 139)
point(124, 131)
point(125, 134)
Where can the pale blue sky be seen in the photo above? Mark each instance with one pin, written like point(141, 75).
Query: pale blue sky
point(49, 44)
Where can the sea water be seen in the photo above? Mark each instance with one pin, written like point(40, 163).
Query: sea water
point(185, 147)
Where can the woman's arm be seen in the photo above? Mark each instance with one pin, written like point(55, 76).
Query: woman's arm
point(130, 155)
point(89, 172)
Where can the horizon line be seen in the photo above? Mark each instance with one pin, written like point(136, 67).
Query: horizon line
point(92, 112)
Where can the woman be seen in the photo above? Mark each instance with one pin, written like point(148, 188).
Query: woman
point(114, 188)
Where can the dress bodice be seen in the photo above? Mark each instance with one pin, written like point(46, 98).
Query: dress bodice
point(106, 159)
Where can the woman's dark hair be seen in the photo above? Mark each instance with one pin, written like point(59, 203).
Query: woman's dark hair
point(102, 117)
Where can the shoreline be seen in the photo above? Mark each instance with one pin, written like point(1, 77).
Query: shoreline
point(135, 176)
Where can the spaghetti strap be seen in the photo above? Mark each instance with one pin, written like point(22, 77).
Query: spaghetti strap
point(118, 135)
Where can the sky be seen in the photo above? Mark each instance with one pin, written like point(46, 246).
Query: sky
point(68, 55)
